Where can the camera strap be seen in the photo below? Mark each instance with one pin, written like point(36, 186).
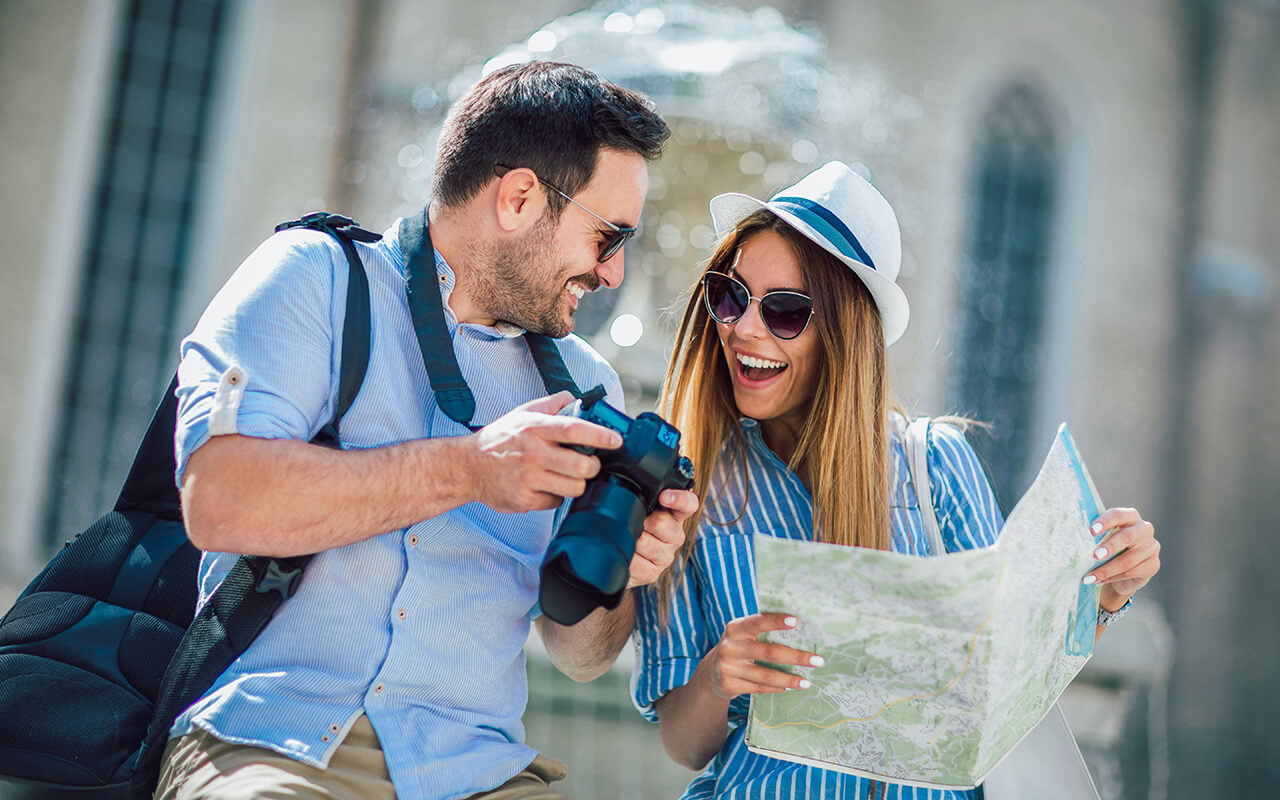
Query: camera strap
point(427, 310)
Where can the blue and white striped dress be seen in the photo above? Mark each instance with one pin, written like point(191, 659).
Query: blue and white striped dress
point(719, 586)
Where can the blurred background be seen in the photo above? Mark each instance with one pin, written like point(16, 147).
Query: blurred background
point(1089, 195)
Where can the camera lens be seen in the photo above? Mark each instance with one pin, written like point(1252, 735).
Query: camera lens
point(588, 562)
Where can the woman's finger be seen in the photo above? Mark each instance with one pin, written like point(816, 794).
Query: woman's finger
point(1138, 561)
point(781, 654)
point(680, 502)
point(752, 626)
point(767, 676)
point(1115, 518)
point(748, 687)
point(1126, 536)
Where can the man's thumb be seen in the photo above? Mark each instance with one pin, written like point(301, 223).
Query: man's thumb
point(551, 404)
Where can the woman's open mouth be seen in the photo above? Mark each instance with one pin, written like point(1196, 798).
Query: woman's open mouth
point(753, 370)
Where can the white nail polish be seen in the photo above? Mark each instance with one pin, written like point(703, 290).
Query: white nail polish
point(790, 622)
point(1097, 527)
point(816, 661)
point(804, 683)
point(1101, 552)
point(1088, 579)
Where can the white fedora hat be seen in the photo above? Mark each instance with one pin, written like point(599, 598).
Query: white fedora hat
point(847, 217)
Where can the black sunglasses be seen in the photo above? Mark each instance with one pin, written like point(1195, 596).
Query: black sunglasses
point(785, 314)
point(611, 245)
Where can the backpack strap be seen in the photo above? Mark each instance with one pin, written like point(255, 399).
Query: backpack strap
point(916, 440)
point(355, 330)
point(255, 587)
point(149, 486)
point(426, 308)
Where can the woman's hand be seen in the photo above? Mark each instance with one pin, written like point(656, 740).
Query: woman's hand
point(731, 668)
point(1137, 563)
point(693, 720)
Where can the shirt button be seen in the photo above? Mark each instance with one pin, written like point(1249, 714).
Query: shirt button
point(413, 540)
point(378, 689)
point(401, 614)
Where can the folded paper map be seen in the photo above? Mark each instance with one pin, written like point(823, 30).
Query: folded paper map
point(935, 667)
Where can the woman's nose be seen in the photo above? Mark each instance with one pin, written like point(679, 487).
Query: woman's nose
point(750, 323)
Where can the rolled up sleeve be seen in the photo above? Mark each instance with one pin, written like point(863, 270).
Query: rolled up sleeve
point(260, 360)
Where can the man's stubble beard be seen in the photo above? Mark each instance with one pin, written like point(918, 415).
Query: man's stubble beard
point(518, 287)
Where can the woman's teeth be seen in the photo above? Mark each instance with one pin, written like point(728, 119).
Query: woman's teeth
point(576, 290)
point(761, 363)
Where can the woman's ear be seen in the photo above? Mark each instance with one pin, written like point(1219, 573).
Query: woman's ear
point(519, 201)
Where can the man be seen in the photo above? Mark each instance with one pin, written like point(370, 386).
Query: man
point(397, 669)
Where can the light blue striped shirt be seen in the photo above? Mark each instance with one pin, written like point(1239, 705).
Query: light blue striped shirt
point(719, 586)
point(422, 629)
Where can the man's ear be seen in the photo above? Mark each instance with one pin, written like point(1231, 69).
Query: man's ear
point(519, 201)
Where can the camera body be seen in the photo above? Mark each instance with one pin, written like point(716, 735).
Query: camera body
point(588, 561)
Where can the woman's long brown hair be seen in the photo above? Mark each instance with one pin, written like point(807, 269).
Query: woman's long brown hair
point(842, 452)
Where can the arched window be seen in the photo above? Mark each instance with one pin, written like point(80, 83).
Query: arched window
point(1002, 280)
point(123, 347)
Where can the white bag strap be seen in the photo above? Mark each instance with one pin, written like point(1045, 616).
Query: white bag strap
point(917, 444)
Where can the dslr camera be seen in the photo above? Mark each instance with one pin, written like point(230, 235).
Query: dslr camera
point(588, 561)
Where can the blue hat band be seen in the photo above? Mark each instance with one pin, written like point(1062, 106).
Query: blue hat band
point(818, 217)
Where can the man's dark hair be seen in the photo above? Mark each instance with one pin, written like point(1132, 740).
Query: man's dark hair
point(551, 117)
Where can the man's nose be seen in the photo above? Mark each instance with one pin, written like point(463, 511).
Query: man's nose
point(611, 272)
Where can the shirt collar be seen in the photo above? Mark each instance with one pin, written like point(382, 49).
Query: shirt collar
point(448, 280)
point(755, 440)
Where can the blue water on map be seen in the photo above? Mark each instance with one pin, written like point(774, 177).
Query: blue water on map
point(1084, 621)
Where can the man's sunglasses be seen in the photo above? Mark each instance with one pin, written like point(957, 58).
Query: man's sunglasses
point(610, 246)
point(785, 314)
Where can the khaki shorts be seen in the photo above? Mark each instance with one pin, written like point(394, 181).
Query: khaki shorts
point(200, 767)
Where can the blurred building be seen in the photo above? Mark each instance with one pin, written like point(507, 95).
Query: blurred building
point(1090, 201)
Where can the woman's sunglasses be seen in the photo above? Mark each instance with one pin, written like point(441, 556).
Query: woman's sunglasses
point(785, 314)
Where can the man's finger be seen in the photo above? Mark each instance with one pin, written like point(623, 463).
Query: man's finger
point(570, 463)
point(574, 431)
point(551, 404)
point(545, 501)
point(561, 487)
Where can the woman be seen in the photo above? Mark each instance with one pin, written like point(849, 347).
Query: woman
point(779, 387)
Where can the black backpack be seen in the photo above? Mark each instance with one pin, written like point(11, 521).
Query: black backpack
point(100, 653)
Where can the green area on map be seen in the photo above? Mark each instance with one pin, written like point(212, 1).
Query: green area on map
point(935, 667)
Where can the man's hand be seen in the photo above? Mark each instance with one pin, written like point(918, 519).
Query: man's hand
point(519, 462)
point(662, 536)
